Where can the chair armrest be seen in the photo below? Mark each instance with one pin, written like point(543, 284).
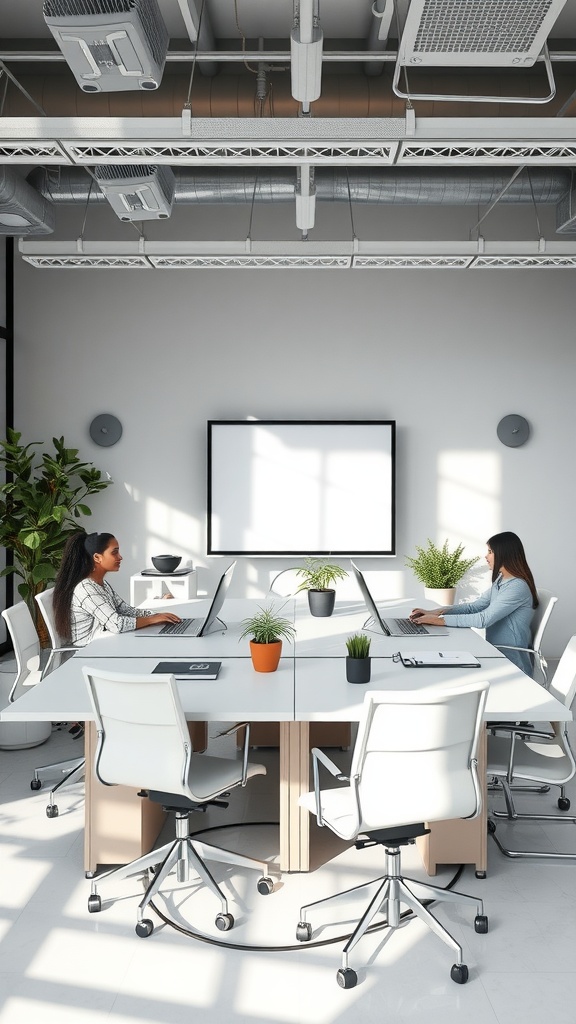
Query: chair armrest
point(320, 758)
point(245, 745)
point(511, 647)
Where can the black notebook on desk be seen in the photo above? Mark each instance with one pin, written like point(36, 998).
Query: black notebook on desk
point(188, 669)
point(437, 659)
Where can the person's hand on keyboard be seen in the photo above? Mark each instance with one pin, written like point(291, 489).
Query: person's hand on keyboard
point(427, 618)
point(158, 617)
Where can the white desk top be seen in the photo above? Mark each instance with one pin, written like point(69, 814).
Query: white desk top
point(323, 694)
point(238, 694)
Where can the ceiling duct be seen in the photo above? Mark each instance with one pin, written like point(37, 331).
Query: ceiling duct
point(476, 33)
point(110, 45)
point(137, 193)
point(23, 211)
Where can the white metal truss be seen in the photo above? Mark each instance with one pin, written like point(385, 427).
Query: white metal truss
point(343, 254)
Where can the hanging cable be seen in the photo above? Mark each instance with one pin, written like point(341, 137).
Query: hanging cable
point(21, 88)
point(188, 103)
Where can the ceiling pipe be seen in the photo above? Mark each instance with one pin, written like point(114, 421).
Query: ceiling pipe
point(350, 95)
point(409, 186)
point(382, 11)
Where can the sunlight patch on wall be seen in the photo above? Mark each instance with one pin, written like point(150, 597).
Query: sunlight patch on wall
point(469, 498)
point(171, 531)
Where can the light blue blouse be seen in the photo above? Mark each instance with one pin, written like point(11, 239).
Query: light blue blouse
point(505, 612)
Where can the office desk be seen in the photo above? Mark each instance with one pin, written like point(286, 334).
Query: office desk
point(304, 689)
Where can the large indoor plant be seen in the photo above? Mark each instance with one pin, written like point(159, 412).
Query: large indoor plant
point(440, 569)
point(42, 497)
point(267, 628)
point(318, 575)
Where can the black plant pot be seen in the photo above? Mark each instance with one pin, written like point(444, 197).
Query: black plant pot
point(358, 670)
point(321, 602)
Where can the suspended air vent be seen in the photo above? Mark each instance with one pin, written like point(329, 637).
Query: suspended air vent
point(137, 193)
point(110, 45)
point(494, 33)
point(23, 211)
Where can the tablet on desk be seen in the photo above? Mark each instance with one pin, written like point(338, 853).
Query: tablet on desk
point(188, 669)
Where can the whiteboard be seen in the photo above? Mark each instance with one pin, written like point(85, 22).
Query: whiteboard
point(299, 487)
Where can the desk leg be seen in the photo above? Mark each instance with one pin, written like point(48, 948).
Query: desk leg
point(294, 780)
point(119, 825)
point(460, 841)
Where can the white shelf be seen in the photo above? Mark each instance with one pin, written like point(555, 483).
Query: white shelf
point(144, 588)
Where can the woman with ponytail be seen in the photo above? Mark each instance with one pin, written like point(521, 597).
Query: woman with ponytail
point(84, 602)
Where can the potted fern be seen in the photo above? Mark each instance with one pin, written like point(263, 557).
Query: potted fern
point(440, 569)
point(358, 658)
point(318, 575)
point(267, 629)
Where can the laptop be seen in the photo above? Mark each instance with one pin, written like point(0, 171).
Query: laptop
point(198, 626)
point(392, 627)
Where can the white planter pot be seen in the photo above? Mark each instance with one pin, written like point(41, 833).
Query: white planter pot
point(440, 597)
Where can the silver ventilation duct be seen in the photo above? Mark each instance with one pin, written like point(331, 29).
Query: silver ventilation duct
point(409, 186)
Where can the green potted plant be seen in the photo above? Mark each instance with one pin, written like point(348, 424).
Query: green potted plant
point(267, 628)
point(358, 658)
point(440, 569)
point(318, 575)
point(40, 502)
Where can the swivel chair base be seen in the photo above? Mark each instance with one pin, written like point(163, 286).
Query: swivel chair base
point(393, 890)
point(185, 855)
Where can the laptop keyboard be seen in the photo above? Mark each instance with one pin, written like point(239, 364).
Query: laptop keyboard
point(173, 628)
point(409, 627)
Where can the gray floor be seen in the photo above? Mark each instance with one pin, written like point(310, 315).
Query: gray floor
point(60, 964)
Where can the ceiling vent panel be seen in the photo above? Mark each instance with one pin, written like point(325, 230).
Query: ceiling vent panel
point(110, 45)
point(491, 33)
point(23, 211)
point(139, 192)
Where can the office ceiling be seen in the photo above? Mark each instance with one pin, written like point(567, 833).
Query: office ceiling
point(243, 120)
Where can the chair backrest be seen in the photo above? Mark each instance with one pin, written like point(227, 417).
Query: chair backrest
point(143, 739)
point(285, 583)
point(563, 685)
point(45, 601)
point(415, 755)
point(546, 602)
point(26, 647)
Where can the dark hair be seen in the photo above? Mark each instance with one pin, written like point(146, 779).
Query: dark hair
point(77, 563)
point(509, 552)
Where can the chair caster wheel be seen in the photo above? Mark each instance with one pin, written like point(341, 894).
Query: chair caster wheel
point(303, 931)
point(94, 903)
point(144, 928)
point(224, 922)
point(52, 811)
point(481, 924)
point(491, 826)
point(265, 885)
point(459, 973)
point(563, 803)
point(480, 874)
point(347, 978)
point(35, 784)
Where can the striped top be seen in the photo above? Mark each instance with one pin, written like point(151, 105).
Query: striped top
point(97, 609)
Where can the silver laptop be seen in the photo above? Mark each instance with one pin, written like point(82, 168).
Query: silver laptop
point(196, 627)
point(392, 627)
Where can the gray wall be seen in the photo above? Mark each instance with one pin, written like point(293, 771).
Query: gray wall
point(444, 353)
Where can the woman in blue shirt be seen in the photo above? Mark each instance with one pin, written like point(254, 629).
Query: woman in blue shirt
point(505, 611)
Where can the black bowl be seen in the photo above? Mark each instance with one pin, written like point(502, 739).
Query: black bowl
point(166, 563)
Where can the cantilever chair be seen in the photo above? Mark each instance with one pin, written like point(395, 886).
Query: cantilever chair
point(415, 761)
point(516, 754)
point(540, 619)
point(19, 735)
point(143, 742)
point(72, 769)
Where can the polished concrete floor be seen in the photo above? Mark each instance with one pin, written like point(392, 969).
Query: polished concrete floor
point(60, 964)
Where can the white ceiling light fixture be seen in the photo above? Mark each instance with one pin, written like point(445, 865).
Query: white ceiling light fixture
point(110, 45)
point(476, 33)
point(306, 43)
point(137, 193)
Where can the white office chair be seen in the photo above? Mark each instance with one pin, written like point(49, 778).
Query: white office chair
point(21, 735)
point(285, 583)
point(415, 761)
point(72, 769)
point(540, 619)
point(143, 741)
point(518, 755)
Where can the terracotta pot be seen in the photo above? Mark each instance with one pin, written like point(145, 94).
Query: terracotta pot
point(443, 598)
point(265, 657)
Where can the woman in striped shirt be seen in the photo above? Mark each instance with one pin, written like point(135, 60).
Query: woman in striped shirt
point(85, 604)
